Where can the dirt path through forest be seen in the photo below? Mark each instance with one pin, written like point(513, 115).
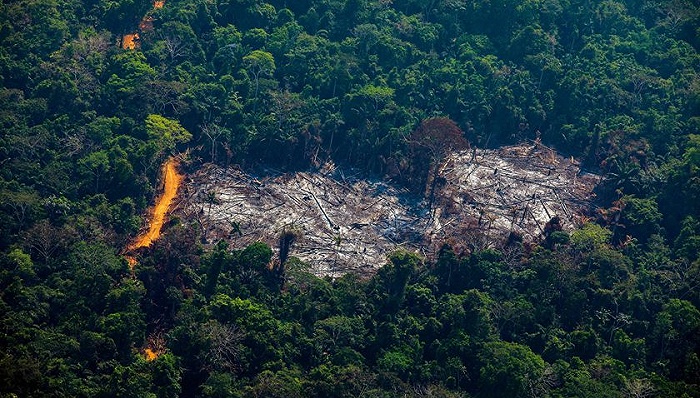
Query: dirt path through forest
point(172, 180)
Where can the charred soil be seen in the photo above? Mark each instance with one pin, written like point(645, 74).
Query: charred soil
point(343, 223)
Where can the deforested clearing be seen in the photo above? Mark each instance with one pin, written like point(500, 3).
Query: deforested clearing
point(343, 223)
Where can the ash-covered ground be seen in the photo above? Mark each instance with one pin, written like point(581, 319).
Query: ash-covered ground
point(347, 224)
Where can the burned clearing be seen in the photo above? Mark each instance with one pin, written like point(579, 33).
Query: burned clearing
point(339, 223)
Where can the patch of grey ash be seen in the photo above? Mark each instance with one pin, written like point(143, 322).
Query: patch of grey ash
point(515, 189)
point(350, 224)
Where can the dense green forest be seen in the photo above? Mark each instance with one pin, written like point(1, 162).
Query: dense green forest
point(609, 310)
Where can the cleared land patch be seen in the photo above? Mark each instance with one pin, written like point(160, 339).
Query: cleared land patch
point(346, 224)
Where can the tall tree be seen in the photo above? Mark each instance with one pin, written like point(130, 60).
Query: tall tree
point(430, 143)
point(259, 63)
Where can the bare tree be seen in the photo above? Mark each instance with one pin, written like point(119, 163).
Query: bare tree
point(213, 132)
point(175, 47)
point(44, 240)
point(224, 345)
point(638, 388)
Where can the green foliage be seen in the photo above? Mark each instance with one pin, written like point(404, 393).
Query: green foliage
point(640, 217)
point(675, 348)
point(607, 310)
point(590, 237)
point(509, 369)
point(260, 63)
point(166, 376)
point(166, 132)
point(393, 278)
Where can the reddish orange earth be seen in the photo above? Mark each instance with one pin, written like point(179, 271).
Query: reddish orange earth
point(172, 180)
point(150, 354)
point(130, 41)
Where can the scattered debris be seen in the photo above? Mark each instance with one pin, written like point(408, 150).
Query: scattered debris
point(347, 224)
point(515, 189)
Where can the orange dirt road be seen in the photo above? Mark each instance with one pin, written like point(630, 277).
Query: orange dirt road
point(172, 181)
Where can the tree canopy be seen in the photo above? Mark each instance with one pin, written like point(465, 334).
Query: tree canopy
point(388, 89)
